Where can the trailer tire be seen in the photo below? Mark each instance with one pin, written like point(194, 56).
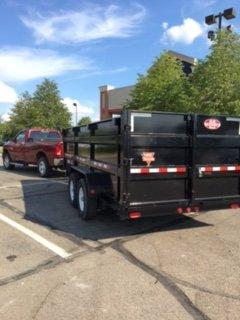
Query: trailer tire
point(86, 205)
point(73, 189)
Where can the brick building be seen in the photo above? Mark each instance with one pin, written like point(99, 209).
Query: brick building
point(113, 99)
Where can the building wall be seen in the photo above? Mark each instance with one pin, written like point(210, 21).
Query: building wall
point(112, 100)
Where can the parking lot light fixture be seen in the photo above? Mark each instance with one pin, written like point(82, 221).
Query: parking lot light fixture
point(209, 20)
point(228, 14)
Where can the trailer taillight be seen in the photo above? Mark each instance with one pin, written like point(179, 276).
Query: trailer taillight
point(58, 152)
point(135, 215)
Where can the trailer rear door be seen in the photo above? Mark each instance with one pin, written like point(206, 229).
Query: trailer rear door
point(159, 149)
point(217, 161)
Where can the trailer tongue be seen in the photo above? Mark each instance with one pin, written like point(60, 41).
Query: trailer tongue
point(151, 163)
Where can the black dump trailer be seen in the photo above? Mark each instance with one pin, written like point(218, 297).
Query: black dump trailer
point(145, 164)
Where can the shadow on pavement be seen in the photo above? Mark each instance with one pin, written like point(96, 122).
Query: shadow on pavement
point(48, 205)
point(30, 171)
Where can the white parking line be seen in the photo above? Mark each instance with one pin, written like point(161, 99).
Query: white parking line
point(47, 244)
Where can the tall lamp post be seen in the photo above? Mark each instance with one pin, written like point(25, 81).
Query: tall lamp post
point(76, 106)
point(228, 14)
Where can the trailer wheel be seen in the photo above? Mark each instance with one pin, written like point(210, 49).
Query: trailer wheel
point(86, 205)
point(72, 189)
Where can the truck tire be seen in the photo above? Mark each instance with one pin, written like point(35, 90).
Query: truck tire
point(44, 169)
point(73, 189)
point(7, 162)
point(86, 205)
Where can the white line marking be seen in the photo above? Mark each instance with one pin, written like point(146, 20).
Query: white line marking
point(49, 245)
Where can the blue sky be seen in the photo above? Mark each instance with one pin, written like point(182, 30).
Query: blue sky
point(85, 44)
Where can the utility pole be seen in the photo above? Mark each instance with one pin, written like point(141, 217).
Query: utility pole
point(76, 106)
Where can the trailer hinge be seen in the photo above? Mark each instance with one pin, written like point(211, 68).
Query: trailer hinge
point(127, 127)
point(125, 199)
point(127, 161)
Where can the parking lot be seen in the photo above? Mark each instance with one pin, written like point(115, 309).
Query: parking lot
point(53, 265)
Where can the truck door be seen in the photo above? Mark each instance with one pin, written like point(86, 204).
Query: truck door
point(18, 148)
point(33, 145)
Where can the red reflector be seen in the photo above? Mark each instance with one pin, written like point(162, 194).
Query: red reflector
point(135, 215)
point(179, 210)
point(234, 206)
point(145, 171)
point(188, 210)
point(223, 169)
point(181, 169)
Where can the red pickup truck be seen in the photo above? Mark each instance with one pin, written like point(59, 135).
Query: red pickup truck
point(40, 147)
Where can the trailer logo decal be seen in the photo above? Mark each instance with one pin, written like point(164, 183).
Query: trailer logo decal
point(212, 124)
point(148, 157)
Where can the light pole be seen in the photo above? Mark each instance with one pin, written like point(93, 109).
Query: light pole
point(212, 19)
point(75, 105)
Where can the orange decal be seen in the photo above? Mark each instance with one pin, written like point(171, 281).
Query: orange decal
point(148, 157)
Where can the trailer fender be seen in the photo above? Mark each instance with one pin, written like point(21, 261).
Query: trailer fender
point(98, 183)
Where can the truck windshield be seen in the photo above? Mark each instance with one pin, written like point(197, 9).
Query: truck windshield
point(44, 136)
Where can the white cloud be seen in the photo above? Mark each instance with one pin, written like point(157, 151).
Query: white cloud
point(5, 117)
point(7, 93)
point(92, 23)
point(165, 25)
point(184, 33)
point(22, 64)
point(82, 109)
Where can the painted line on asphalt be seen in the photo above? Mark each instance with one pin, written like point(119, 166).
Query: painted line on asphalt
point(44, 242)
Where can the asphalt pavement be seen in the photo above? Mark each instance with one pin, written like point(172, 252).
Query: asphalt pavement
point(55, 266)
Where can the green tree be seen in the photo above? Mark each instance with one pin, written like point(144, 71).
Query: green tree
point(1, 131)
point(48, 107)
point(84, 121)
point(216, 79)
point(42, 109)
point(22, 114)
point(4, 131)
point(165, 87)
